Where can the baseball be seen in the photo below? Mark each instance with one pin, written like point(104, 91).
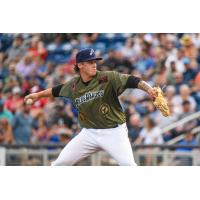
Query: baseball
point(29, 101)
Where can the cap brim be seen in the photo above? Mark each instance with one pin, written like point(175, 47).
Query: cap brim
point(92, 59)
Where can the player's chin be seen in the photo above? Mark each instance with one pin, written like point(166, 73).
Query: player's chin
point(93, 72)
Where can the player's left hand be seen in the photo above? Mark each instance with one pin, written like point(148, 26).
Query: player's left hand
point(160, 102)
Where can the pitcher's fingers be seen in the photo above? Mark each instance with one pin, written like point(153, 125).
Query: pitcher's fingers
point(26, 98)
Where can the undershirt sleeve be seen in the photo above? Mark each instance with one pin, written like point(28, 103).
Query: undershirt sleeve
point(56, 90)
point(132, 82)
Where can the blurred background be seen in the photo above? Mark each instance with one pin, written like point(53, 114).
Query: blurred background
point(35, 135)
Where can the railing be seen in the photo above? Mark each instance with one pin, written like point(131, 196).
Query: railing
point(181, 122)
point(43, 154)
point(180, 137)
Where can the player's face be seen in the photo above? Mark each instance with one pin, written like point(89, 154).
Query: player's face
point(89, 68)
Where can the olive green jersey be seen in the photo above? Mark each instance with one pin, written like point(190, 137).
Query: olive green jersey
point(97, 101)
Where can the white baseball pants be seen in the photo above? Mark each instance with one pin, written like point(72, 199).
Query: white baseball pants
point(113, 140)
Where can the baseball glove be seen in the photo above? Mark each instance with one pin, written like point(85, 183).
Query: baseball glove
point(160, 103)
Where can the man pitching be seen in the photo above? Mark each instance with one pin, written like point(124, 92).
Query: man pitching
point(95, 95)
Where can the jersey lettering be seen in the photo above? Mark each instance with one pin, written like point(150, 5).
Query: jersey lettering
point(88, 97)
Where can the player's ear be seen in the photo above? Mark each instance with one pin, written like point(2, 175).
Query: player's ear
point(80, 65)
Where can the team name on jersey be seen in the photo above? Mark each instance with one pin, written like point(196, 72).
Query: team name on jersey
point(88, 97)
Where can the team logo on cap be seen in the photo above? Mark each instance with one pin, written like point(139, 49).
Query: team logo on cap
point(91, 51)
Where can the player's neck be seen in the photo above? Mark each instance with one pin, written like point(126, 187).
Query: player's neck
point(85, 78)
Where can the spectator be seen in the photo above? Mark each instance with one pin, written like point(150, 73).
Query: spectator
point(65, 137)
point(188, 140)
point(198, 138)
point(187, 111)
point(188, 47)
point(64, 133)
point(64, 115)
point(60, 76)
point(3, 69)
point(13, 80)
point(37, 107)
point(26, 67)
point(145, 64)
point(190, 73)
point(122, 62)
point(178, 80)
point(17, 50)
point(170, 72)
point(196, 40)
point(37, 48)
point(41, 68)
point(159, 54)
point(160, 79)
point(15, 100)
point(110, 62)
point(177, 60)
point(184, 95)
point(151, 110)
point(22, 125)
point(50, 111)
point(87, 39)
point(150, 134)
point(134, 127)
point(117, 61)
point(6, 135)
point(170, 92)
point(4, 113)
point(60, 132)
point(127, 50)
point(53, 136)
point(71, 62)
point(40, 132)
point(196, 91)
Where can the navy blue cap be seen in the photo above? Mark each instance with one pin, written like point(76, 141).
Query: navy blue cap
point(86, 55)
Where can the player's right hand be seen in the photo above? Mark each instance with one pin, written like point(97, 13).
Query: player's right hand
point(33, 96)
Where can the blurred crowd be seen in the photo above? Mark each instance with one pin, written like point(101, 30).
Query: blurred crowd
point(33, 62)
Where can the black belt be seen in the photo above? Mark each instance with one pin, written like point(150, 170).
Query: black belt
point(115, 126)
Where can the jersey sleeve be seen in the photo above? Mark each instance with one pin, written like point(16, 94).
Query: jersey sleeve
point(56, 90)
point(63, 90)
point(132, 82)
point(118, 81)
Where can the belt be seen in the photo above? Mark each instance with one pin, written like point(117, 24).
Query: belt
point(115, 126)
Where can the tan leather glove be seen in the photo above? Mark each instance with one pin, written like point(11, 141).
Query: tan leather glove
point(160, 103)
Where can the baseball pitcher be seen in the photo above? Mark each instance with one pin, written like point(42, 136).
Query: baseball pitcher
point(95, 95)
